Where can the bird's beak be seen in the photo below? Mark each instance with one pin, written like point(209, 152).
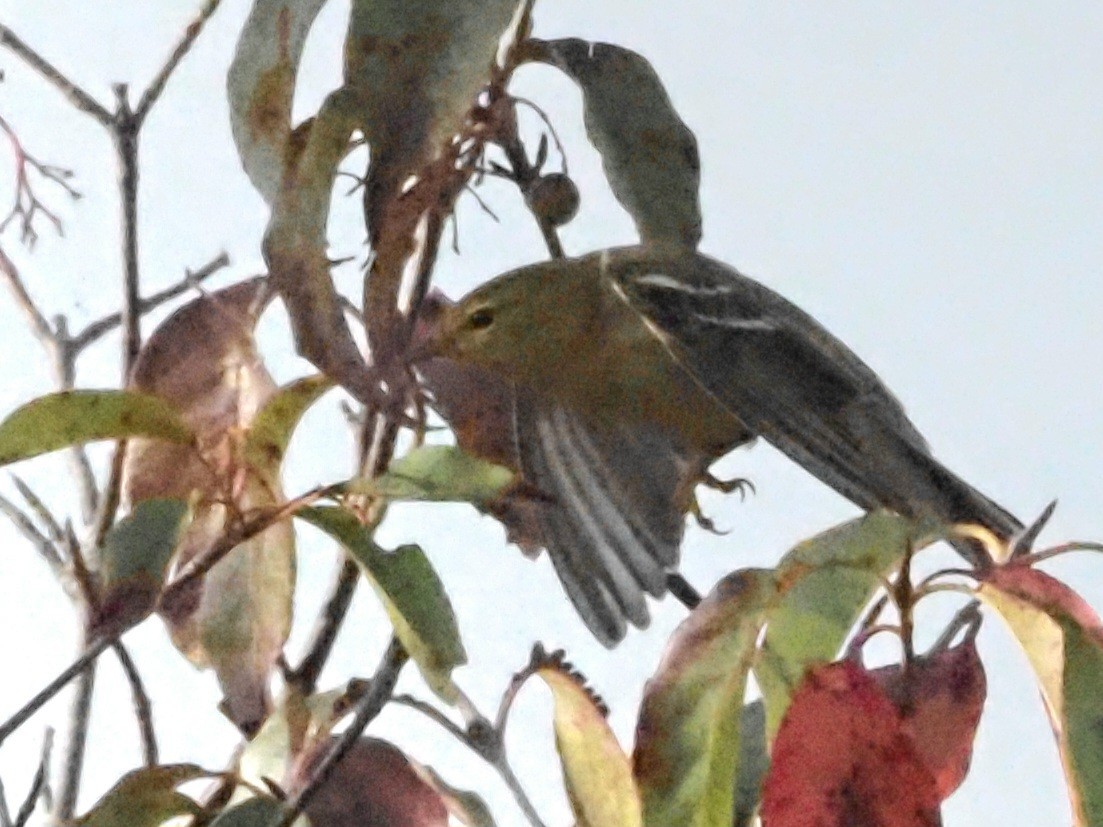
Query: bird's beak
point(433, 335)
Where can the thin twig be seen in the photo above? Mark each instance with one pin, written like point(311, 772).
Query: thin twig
point(327, 627)
point(53, 687)
point(72, 767)
point(367, 708)
point(26, 204)
point(76, 96)
point(34, 502)
point(150, 96)
point(143, 709)
point(40, 785)
point(5, 813)
point(35, 318)
point(191, 280)
point(46, 549)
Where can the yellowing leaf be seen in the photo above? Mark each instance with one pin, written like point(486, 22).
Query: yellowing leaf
point(411, 592)
point(59, 420)
point(271, 429)
point(688, 735)
point(825, 582)
point(438, 473)
point(1063, 639)
point(145, 798)
point(597, 773)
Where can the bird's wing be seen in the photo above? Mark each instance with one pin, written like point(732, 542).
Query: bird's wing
point(795, 384)
point(616, 513)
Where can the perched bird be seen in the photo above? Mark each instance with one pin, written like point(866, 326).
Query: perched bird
point(629, 365)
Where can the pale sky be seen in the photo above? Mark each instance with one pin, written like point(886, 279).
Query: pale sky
point(924, 178)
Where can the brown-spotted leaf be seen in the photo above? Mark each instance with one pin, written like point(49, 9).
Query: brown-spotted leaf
point(203, 360)
point(1063, 639)
point(66, 418)
point(373, 784)
point(842, 758)
point(261, 87)
point(940, 698)
point(688, 735)
point(650, 155)
point(145, 798)
point(417, 67)
point(826, 581)
point(596, 772)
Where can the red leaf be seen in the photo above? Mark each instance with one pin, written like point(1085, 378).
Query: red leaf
point(941, 703)
point(843, 757)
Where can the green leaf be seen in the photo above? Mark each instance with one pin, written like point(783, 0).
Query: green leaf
point(255, 812)
point(145, 798)
point(59, 420)
point(1063, 640)
point(411, 593)
point(439, 473)
point(261, 85)
point(649, 154)
point(134, 561)
point(825, 582)
point(270, 431)
point(596, 771)
point(688, 738)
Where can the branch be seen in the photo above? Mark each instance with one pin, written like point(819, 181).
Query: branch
point(76, 96)
point(40, 788)
point(35, 318)
point(150, 96)
point(27, 204)
point(305, 677)
point(367, 708)
point(143, 709)
point(101, 327)
point(73, 765)
point(46, 549)
point(56, 685)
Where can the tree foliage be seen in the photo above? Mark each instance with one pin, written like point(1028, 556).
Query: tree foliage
point(763, 706)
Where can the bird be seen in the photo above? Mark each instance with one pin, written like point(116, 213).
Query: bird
point(632, 368)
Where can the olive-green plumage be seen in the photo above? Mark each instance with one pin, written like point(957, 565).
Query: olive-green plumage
point(683, 346)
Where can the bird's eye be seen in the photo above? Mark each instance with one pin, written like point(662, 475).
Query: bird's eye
point(481, 318)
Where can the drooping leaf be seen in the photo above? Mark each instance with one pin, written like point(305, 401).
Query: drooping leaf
point(754, 761)
point(416, 67)
point(66, 418)
point(688, 736)
point(940, 698)
point(596, 772)
point(134, 561)
point(203, 359)
point(411, 592)
point(293, 728)
point(649, 154)
point(826, 581)
point(374, 784)
point(842, 759)
point(259, 811)
point(1063, 639)
point(261, 85)
point(145, 798)
point(271, 429)
point(439, 473)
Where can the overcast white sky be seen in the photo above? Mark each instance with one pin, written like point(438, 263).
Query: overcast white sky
point(923, 177)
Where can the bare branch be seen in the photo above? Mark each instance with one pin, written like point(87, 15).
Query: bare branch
point(143, 709)
point(5, 813)
point(40, 786)
point(53, 687)
point(72, 768)
point(46, 549)
point(53, 527)
point(305, 677)
point(367, 708)
point(76, 96)
point(150, 96)
point(27, 205)
point(35, 318)
point(191, 280)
